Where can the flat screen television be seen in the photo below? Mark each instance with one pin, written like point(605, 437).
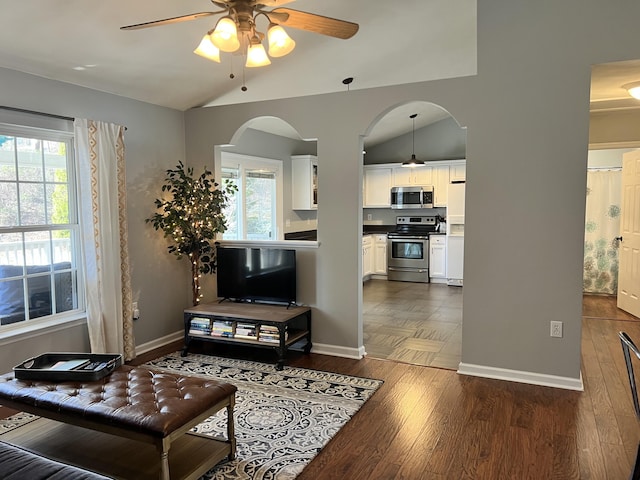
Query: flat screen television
point(266, 275)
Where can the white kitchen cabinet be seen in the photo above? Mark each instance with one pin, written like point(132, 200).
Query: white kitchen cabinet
point(367, 256)
point(304, 182)
point(377, 186)
point(407, 176)
point(458, 171)
point(379, 254)
point(437, 256)
point(440, 185)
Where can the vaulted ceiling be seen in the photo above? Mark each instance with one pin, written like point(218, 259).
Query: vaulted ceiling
point(80, 42)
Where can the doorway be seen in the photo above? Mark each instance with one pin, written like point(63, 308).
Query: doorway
point(417, 323)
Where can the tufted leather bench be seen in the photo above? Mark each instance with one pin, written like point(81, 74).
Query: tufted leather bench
point(133, 402)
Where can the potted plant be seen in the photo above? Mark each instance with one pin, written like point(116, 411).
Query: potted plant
point(192, 218)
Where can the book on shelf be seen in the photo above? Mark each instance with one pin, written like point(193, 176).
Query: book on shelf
point(246, 331)
point(199, 326)
point(222, 328)
point(271, 334)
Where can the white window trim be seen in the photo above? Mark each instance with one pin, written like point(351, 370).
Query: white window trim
point(41, 326)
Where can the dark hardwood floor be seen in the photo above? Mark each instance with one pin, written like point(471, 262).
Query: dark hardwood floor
point(431, 423)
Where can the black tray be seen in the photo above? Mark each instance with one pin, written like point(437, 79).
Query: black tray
point(42, 367)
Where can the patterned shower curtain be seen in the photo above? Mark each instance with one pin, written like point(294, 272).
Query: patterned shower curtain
point(602, 225)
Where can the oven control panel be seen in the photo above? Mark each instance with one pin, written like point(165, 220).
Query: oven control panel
point(415, 220)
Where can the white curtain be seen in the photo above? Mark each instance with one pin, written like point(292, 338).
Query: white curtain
point(102, 192)
point(602, 226)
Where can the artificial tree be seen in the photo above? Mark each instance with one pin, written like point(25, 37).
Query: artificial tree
point(191, 218)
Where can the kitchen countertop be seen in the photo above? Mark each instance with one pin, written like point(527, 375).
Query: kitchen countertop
point(304, 235)
point(312, 235)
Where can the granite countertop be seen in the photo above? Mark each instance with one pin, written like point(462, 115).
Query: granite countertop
point(304, 235)
point(377, 229)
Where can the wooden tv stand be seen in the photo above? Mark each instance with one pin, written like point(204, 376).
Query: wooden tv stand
point(292, 323)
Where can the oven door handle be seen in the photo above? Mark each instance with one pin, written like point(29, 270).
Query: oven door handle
point(408, 269)
point(408, 237)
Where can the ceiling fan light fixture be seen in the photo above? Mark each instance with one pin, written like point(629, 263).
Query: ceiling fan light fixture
point(633, 89)
point(280, 43)
point(207, 49)
point(225, 35)
point(256, 54)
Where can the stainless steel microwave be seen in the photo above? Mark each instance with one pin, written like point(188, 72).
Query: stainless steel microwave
point(412, 197)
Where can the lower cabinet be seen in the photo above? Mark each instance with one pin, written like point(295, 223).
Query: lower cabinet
point(367, 256)
point(380, 254)
point(438, 256)
point(374, 255)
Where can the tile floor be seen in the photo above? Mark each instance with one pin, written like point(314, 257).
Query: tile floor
point(418, 323)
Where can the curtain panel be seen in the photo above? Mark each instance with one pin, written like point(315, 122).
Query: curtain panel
point(602, 226)
point(102, 195)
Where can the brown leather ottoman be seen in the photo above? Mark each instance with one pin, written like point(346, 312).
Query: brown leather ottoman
point(132, 402)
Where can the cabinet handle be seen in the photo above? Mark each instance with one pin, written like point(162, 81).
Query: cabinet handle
point(619, 239)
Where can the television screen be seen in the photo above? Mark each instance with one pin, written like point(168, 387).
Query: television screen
point(256, 274)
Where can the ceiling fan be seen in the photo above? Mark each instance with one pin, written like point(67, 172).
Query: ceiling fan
point(236, 32)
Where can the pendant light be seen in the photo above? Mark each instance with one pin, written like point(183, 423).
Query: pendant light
point(413, 162)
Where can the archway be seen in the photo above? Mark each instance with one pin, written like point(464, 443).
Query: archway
point(413, 321)
point(262, 152)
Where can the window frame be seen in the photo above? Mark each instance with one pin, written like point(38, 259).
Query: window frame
point(38, 324)
point(245, 162)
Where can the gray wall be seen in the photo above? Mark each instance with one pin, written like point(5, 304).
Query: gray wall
point(154, 142)
point(527, 119)
point(443, 140)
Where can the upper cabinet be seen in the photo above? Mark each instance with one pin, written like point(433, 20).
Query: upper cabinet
point(440, 185)
point(304, 182)
point(378, 181)
point(403, 176)
point(379, 178)
point(458, 171)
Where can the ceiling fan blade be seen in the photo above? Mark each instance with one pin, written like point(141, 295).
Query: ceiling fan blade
point(318, 23)
point(168, 21)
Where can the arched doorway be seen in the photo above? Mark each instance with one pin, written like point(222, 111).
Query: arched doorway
point(413, 321)
point(260, 159)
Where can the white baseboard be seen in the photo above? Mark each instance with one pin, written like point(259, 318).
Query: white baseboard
point(320, 348)
point(567, 383)
point(159, 342)
point(338, 351)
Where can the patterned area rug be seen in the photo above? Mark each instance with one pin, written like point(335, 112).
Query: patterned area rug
point(282, 418)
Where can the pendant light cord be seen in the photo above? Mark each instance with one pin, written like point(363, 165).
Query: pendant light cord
point(413, 136)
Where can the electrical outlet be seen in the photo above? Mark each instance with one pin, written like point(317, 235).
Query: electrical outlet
point(369, 216)
point(556, 329)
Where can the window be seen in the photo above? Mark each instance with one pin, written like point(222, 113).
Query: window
point(39, 231)
point(253, 212)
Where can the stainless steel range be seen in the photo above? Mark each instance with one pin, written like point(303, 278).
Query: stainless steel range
point(408, 248)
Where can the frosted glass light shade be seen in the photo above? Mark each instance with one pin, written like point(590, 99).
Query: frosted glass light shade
point(257, 56)
point(633, 89)
point(208, 50)
point(280, 43)
point(225, 35)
